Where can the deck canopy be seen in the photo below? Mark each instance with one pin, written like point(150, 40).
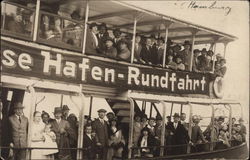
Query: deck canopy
point(120, 14)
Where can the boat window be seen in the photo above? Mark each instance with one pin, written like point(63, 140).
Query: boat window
point(62, 32)
point(17, 20)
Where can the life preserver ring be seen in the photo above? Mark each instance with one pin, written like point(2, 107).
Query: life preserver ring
point(218, 87)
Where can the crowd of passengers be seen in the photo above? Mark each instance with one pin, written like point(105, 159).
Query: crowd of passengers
point(114, 44)
point(105, 138)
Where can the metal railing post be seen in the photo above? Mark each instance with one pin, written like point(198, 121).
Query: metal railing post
point(81, 125)
point(85, 27)
point(192, 49)
point(167, 25)
point(212, 130)
point(36, 24)
point(133, 40)
point(131, 125)
point(190, 125)
point(230, 122)
point(163, 130)
point(31, 117)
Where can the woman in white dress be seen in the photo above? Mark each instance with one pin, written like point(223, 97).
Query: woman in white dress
point(37, 138)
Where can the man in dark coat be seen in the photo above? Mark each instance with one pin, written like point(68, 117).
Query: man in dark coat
point(63, 133)
point(18, 124)
point(92, 44)
point(100, 126)
point(89, 143)
point(180, 135)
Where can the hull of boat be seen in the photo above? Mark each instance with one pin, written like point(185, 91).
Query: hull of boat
point(237, 152)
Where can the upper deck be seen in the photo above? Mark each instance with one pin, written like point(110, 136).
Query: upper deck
point(65, 58)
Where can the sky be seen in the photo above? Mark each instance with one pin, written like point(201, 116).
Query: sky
point(234, 22)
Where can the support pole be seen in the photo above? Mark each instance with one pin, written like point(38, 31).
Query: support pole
point(163, 130)
point(190, 125)
point(85, 27)
point(171, 110)
point(212, 130)
point(90, 107)
point(4, 14)
point(31, 90)
point(214, 49)
point(151, 109)
point(131, 127)
point(167, 24)
point(225, 48)
point(181, 109)
point(81, 127)
point(192, 49)
point(133, 40)
point(230, 122)
point(36, 24)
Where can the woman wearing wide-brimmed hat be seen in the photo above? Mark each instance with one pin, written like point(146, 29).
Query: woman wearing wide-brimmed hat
point(116, 141)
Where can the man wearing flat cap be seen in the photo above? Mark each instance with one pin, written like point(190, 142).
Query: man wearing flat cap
point(180, 136)
point(18, 124)
point(63, 133)
point(100, 126)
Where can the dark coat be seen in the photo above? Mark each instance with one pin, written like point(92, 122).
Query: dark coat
point(150, 142)
point(18, 131)
point(62, 139)
point(101, 131)
point(110, 52)
point(17, 27)
point(180, 134)
point(101, 41)
point(89, 146)
point(146, 54)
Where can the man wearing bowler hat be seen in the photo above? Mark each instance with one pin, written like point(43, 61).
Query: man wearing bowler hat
point(92, 40)
point(100, 126)
point(180, 136)
point(63, 133)
point(18, 124)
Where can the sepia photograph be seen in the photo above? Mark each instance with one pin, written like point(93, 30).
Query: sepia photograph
point(124, 79)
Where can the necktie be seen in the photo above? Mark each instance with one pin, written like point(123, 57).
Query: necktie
point(19, 118)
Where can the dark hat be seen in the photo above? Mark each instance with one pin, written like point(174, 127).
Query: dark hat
point(177, 46)
point(57, 110)
point(161, 39)
point(109, 39)
point(221, 118)
point(241, 120)
point(75, 15)
point(116, 30)
point(110, 113)
point(151, 118)
point(93, 25)
point(102, 25)
point(65, 108)
point(113, 119)
point(176, 115)
point(102, 110)
point(144, 116)
point(197, 51)
point(18, 105)
point(186, 43)
point(168, 116)
point(204, 50)
point(137, 115)
point(158, 117)
point(86, 116)
point(145, 129)
point(123, 42)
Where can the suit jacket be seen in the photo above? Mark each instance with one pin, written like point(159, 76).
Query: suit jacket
point(146, 54)
point(90, 145)
point(101, 41)
point(91, 45)
point(137, 52)
point(101, 131)
point(180, 134)
point(55, 127)
point(18, 130)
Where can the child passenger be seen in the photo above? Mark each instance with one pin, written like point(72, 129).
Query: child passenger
point(50, 141)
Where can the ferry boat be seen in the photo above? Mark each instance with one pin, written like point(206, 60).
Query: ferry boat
point(33, 65)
